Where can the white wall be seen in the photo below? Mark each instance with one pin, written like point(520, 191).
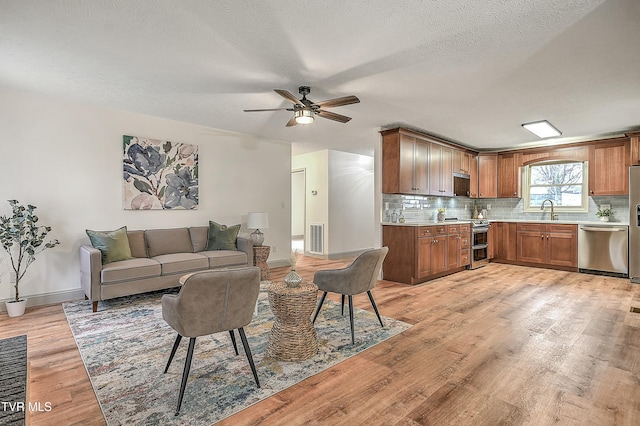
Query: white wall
point(298, 202)
point(351, 202)
point(66, 159)
point(344, 202)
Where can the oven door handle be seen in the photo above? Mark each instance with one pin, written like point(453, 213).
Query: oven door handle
point(479, 246)
point(480, 230)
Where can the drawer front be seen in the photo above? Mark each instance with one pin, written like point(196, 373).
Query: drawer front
point(440, 230)
point(562, 228)
point(464, 257)
point(425, 231)
point(465, 241)
point(530, 227)
point(453, 229)
point(466, 228)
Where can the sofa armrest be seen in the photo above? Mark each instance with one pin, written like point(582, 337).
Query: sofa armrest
point(246, 245)
point(90, 269)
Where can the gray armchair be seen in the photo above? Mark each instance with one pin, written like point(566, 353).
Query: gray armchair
point(210, 302)
point(359, 277)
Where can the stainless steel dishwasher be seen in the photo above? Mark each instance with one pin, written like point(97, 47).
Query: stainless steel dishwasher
point(603, 248)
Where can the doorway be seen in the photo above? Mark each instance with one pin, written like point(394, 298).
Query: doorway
point(298, 214)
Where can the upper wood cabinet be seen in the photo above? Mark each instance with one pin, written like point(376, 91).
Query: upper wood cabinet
point(487, 175)
point(508, 175)
point(440, 170)
point(634, 139)
point(473, 177)
point(609, 168)
point(462, 162)
point(405, 163)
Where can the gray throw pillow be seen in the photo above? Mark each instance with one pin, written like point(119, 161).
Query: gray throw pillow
point(222, 237)
point(114, 245)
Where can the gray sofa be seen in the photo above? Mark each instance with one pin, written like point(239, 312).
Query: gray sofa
point(159, 258)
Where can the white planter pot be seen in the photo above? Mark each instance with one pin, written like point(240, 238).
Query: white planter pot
point(15, 309)
point(604, 218)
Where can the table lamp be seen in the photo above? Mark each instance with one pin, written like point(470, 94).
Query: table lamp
point(257, 220)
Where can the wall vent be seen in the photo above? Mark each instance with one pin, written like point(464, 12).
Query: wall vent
point(316, 238)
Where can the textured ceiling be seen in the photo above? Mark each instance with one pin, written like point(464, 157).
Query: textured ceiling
point(468, 71)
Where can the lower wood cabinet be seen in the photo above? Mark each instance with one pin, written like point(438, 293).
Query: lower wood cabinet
point(420, 253)
point(547, 245)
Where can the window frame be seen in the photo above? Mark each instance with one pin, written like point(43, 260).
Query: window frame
point(526, 187)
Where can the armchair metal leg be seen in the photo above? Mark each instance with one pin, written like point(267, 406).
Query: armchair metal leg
point(342, 310)
point(353, 339)
point(173, 352)
point(324, 296)
point(247, 351)
point(185, 373)
point(233, 340)
point(375, 308)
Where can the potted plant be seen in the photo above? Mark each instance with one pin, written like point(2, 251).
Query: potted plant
point(22, 238)
point(604, 214)
point(441, 212)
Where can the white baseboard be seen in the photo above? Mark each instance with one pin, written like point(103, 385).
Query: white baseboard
point(49, 298)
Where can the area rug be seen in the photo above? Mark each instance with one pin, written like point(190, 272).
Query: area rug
point(126, 344)
point(13, 380)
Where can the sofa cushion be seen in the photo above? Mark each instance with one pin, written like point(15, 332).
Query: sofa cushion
point(181, 262)
point(222, 237)
point(220, 258)
point(168, 241)
point(199, 237)
point(137, 243)
point(113, 245)
point(131, 269)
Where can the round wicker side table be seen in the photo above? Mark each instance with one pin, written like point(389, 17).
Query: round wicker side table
point(293, 336)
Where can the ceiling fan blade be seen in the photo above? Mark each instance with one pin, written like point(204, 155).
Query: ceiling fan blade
point(292, 122)
point(270, 109)
point(330, 103)
point(288, 96)
point(333, 116)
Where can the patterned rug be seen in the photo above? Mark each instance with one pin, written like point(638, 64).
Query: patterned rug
point(13, 380)
point(126, 344)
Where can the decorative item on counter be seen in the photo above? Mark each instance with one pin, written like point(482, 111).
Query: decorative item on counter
point(484, 214)
point(475, 212)
point(604, 214)
point(394, 217)
point(441, 212)
point(293, 279)
point(401, 218)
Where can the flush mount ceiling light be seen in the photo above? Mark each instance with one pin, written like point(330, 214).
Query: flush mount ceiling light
point(303, 116)
point(542, 129)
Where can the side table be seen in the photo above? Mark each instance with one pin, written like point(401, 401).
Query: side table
point(260, 256)
point(293, 336)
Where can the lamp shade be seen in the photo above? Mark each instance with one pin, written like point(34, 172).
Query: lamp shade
point(258, 220)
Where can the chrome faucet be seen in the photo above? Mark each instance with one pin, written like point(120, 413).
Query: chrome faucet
point(553, 215)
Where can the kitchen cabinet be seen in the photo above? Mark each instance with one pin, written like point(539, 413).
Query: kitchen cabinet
point(440, 170)
point(504, 241)
point(608, 168)
point(508, 179)
point(487, 175)
point(461, 162)
point(405, 164)
point(419, 253)
point(547, 245)
point(465, 245)
point(634, 140)
point(473, 177)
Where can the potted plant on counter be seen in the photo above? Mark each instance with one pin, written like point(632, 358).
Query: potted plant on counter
point(604, 214)
point(441, 214)
point(22, 238)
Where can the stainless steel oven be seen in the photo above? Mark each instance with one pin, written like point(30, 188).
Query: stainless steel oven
point(479, 243)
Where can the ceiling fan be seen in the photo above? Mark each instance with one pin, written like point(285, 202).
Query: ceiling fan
point(304, 110)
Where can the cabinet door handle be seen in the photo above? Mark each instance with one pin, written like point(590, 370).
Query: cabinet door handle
point(541, 236)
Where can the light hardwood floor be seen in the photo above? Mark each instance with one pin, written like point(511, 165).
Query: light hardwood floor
point(498, 345)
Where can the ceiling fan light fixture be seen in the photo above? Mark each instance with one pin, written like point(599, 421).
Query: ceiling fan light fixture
point(542, 129)
point(303, 116)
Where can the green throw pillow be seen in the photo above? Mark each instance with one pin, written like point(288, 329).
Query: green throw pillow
point(113, 245)
point(222, 237)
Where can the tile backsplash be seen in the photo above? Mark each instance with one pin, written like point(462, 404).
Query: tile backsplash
point(417, 208)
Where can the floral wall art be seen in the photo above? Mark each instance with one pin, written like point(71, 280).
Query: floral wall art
point(159, 174)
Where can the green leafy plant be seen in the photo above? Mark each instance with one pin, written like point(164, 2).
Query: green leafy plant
point(604, 212)
point(442, 209)
point(22, 238)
